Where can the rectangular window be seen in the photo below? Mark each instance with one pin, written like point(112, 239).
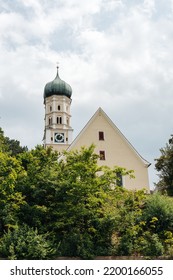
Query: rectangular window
point(102, 155)
point(101, 135)
point(119, 181)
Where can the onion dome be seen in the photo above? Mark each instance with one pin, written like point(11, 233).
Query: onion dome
point(57, 87)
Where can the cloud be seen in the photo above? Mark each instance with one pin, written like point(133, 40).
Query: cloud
point(115, 54)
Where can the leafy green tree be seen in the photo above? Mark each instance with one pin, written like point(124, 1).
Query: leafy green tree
point(2, 140)
point(158, 214)
point(68, 202)
point(68, 197)
point(10, 146)
point(164, 165)
point(14, 147)
point(38, 186)
point(155, 237)
point(83, 193)
point(144, 224)
point(128, 222)
point(10, 199)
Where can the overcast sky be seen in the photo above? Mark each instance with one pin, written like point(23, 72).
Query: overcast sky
point(115, 54)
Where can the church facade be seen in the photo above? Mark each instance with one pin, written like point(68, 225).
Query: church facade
point(110, 144)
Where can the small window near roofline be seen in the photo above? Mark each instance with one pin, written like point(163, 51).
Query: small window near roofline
point(101, 135)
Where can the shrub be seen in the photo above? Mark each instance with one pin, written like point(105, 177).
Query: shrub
point(158, 213)
point(25, 243)
point(150, 245)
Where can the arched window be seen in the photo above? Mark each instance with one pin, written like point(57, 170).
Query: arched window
point(50, 108)
point(59, 107)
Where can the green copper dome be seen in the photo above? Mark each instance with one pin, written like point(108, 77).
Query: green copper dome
point(57, 87)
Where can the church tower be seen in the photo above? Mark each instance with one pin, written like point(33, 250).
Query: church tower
point(57, 101)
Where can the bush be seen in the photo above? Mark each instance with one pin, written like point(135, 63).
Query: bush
point(158, 213)
point(75, 244)
point(25, 243)
point(150, 245)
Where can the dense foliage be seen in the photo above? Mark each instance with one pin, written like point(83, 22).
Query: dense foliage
point(52, 205)
point(164, 164)
point(10, 146)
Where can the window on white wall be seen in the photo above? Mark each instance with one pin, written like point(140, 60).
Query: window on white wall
point(119, 181)
point(102, 155)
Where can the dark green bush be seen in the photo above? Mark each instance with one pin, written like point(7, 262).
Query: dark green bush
point(25, 243)
point(150, 245)
point(158, 208)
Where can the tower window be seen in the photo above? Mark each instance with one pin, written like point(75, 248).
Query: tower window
point(50, 121)
point(102, 155)
point(59, 120)
point(59, 107)
point(101, 135)
point(50, 108)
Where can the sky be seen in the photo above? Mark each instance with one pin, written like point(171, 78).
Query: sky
point(115, 54)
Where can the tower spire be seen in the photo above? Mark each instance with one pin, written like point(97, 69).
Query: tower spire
point(57, 66)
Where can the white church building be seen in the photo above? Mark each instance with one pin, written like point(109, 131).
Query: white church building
point(111, 145)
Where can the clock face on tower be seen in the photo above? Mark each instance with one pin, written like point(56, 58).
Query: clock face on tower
point(59, 137)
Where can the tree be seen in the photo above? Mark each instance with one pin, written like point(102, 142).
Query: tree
point(2, 140)
point(10, 146)
point(14, 147)
point(164, 165)
point(156, 237)
point(10, 198)
point(38, 186)
point(68, 202)
point(69, 198)
point(144, 224)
